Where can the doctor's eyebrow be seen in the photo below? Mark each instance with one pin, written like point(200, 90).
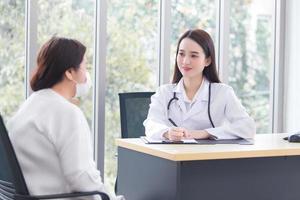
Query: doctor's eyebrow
point(195, 52)
point(192, 52)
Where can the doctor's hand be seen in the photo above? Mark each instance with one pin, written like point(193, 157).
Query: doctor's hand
point(198, 134)
point(179, 133)
point(175, 133)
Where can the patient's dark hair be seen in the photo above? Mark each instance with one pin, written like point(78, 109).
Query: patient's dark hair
point(54, 58)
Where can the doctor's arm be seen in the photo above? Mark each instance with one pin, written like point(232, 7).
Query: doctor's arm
point(157, 124)
point(197, 134)
point(239, 124)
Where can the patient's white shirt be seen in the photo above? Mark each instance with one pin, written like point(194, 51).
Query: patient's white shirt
point(52, 141)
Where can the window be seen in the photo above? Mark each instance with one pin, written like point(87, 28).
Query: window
point(190, 14)
point(12, 56)
point(132, 63)
point(57, 18)
point(250, 57)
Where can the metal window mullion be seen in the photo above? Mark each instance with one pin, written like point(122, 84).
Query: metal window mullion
point(164, 41)
point(278, 76)
point(31, 18)
point(99, 82)
point(222, 47)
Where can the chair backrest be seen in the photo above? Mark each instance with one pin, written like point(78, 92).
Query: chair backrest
point(134, 108)
point(11, 178)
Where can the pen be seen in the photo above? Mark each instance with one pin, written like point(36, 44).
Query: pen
point(174, 124)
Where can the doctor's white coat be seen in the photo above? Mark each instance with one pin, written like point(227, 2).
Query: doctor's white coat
point(228, 115)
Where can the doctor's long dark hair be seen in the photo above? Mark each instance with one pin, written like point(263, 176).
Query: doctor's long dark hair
point(204, 40)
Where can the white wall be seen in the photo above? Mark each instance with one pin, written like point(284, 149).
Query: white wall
point(292, 67)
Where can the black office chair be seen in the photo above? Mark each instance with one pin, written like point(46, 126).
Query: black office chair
point(134, 108)
point(12, 182)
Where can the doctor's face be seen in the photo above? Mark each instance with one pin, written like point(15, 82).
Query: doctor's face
point(191, 59)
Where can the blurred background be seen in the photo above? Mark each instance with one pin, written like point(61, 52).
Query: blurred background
point(256, 47)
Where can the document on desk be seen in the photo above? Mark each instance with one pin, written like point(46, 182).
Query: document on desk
point(148, 140)
point(240, 141)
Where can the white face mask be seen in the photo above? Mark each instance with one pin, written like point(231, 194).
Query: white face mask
point(82, 89)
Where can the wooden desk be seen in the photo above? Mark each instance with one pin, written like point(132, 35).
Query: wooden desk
point(267, 170)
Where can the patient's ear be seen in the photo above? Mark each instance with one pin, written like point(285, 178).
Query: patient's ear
point(68, 75)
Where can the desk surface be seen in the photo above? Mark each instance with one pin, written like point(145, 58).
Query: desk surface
point(266, 145)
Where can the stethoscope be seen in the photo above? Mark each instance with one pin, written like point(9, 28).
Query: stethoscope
point(176, 99)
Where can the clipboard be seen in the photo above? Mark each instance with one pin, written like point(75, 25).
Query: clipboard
point(148, 140)
point(239, 141)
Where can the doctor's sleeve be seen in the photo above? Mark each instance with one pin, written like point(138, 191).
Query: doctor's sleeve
point(156, 123)
point(238, 123)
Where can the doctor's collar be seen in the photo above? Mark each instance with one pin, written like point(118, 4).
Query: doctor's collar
point(201, 94)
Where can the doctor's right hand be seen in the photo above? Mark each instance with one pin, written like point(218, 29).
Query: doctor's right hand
point(175, 133)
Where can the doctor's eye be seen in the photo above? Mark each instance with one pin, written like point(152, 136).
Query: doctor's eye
point(194, 56)
point(181, 54)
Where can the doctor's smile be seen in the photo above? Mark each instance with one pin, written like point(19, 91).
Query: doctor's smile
point(196, 104)
point(186, 69)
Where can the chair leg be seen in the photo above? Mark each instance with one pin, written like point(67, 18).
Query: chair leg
point(116, 185)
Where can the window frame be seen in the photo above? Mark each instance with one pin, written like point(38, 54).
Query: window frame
point(222, 44)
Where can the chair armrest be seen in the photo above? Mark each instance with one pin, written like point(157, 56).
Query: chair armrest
point(63, 195)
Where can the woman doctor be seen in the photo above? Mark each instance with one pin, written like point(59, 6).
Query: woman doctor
point(50, 135)
point(197, 105)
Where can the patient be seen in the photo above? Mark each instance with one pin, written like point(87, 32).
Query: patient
point(50, 135)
